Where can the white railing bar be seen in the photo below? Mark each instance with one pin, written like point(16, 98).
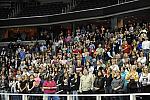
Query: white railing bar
point(73, 11)
point(137, 94)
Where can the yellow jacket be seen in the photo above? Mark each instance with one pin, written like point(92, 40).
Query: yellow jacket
point(132, 75)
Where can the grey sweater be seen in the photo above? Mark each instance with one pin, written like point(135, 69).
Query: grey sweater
point(117, 83)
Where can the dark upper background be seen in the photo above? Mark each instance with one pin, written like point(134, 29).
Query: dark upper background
point(25, 8)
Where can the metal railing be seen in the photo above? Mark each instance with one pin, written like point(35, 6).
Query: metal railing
point(70, 96)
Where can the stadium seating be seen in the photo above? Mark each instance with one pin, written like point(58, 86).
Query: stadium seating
point(89, 4)
point(45, 9)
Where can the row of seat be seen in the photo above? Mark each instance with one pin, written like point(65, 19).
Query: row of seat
point(89, 4)
point(34, 9)
point(45, 9)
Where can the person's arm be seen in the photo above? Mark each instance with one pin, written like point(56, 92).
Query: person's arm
point(112, 85)
point(80, 87)
point(29, 89)
point(136, 77)
point(25, 87)
point(140, 79)
point(128, 76)
point(92, 82)
point(19, 88)
point(10, 84)
point(120, 84)
point(108, 53)
point(148, 83)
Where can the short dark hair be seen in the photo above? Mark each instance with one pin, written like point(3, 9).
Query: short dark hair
point(49, 78)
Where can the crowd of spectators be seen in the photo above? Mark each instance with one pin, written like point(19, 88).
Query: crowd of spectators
point(93, 60)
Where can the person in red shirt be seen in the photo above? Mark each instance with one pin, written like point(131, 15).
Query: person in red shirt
point(49, 87)
point(126, 48)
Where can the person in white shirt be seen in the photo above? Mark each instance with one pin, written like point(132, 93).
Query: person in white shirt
point(114, 66)
point(145, 81)
point(141, 59)
point(146, 44)
point(146, 47)
point(86, 83)
point(131, 29)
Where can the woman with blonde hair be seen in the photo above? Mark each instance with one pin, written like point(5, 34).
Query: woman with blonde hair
point(117, 84)
point(132, 78)
point(145, 80)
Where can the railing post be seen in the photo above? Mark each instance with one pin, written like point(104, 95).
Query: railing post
point(23, 97)
point(132, 97)
point(67, 97)
point(8, 96)
point(98, 97)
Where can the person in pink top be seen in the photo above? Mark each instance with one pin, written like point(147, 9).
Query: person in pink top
point(49, 87)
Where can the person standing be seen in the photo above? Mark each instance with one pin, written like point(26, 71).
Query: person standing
point(132, 77)
point(86, 83)
point(99, 83)
point(107, 82)
point(146, 47)
point(49, 87)
point(145, 81)
point(4, 87)
point(117, 85)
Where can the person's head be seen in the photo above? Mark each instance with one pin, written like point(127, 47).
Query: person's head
point(31, 77)
point(125, 42)
point(118, 73)
point(141, 54)
point(100, 73)
point(85, 71)
point(122, 69)
point(3, 77)
point(133, 68)
point(145, 69)
point(23, 77)
point(14, 78)
point(24, 69)
point(36, 73)
point(49, 78)
point(66, 75)
point(26, 77)
point(109, 70)
point(19, 78)
point(125, 55)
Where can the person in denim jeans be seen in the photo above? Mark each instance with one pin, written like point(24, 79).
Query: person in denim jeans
point(146, 48)
point(49, 87)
